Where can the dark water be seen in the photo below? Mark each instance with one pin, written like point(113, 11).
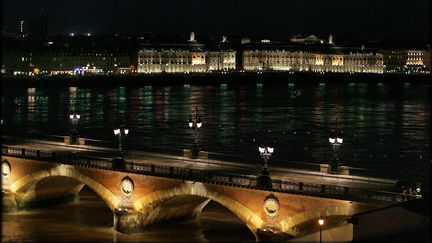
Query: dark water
point(90, 220)
point(385, 126)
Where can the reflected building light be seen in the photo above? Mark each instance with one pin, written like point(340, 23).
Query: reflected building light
point(167, 102)
point(73, 91)
point(31, 95)
point(72, 96)
point(134, 96)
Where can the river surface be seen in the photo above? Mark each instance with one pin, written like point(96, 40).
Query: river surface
point(385, 127)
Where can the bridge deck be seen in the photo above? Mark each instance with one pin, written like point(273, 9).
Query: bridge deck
point(105, 153)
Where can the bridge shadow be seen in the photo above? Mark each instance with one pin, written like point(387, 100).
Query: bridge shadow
point(220, 223)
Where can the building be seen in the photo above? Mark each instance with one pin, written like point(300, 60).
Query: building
point(22, 32)
point(191, 57)
point(311, 58)
point(407, 61)
point(64, 56)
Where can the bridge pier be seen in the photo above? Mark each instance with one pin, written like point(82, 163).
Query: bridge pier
point(127, 221)
point(9, 203)
point(270, 235)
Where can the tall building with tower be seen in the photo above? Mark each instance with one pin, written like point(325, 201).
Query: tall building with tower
point(21, 32)
point(21, 26)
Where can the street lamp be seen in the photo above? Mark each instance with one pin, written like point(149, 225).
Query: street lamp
point(119, 160)
point(321, 223)
point(74, 118)
point(335, 141)
point(264, 179)
point(195, 123)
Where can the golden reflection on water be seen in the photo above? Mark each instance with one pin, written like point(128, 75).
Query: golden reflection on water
point(88, 219)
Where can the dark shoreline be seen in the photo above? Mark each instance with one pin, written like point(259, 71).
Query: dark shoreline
point(208, 79)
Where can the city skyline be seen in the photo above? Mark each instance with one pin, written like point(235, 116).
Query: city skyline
point(366, 20)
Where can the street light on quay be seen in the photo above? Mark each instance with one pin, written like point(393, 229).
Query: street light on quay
point(335, 141)
point(118, 161)
point(264, 179)
point(195, 123)
point(321, 223)
point(74, 118)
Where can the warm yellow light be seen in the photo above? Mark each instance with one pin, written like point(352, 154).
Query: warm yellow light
point(36, 70)
point(321, 222)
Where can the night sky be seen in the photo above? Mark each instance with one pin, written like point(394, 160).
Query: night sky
point(347, 19)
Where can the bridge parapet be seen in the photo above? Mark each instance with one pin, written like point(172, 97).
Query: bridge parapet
point(246, 181)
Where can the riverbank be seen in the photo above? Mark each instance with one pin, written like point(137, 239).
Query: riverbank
point(231, 78)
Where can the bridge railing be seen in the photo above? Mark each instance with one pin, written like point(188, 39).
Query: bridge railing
point(249, 181)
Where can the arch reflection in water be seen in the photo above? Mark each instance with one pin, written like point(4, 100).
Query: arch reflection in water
point(89, 219)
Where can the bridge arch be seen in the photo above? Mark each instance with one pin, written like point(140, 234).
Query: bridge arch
point(246, 215)
point(290, 224)
point(21, 185)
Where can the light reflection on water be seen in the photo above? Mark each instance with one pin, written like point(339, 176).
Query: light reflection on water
point(90, 220)
point(385, 126)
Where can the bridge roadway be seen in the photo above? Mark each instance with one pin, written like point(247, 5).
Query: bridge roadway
point(212, 165)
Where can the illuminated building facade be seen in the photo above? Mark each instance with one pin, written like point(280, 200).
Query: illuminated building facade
point(180, 59)
point(172, 59)
point(305, 59)
point(407, 61)
point(221, 60)
point(191, 57)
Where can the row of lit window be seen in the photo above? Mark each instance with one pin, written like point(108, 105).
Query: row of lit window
point(415, 53)
point(292, 59)
point(59, 54)
point(313, 57)
point(314, 63)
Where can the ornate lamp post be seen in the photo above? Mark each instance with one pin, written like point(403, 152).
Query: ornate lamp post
point(195, 123)
point(118, 161)
point(264, 179)
point(335, 141)
point(74, 118)
point(321, 223)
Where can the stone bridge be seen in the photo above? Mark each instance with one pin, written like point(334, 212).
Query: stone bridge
point(146, 194)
